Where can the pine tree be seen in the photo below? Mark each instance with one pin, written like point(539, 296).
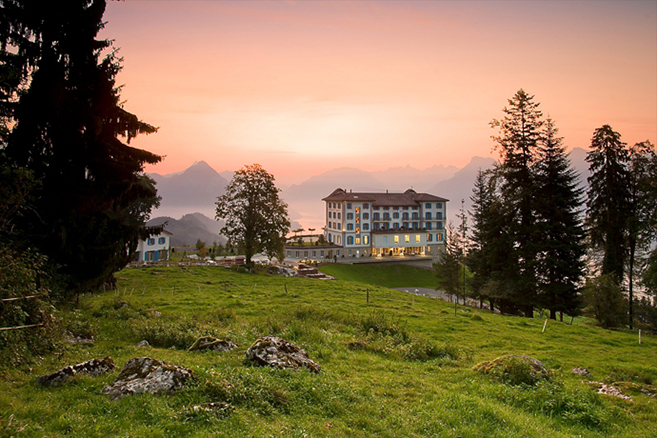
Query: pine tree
point(560, 264)
point(608, 202)
point(448, 267)
point(93, 198)
point(256, 218)
point(518, 143)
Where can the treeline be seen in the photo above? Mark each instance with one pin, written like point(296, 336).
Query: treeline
point(537, 241)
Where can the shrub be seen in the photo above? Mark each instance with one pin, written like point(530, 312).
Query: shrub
point(514, 370)
point(604, 301)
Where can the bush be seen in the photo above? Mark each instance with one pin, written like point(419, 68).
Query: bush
point(514, 370)
point(604, 301)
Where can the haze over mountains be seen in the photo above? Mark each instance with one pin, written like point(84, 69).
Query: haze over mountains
point(196, 188)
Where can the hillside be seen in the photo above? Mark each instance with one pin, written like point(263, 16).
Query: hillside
point(396, 366)
point(190, 228)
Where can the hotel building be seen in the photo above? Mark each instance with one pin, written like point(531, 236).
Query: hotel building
point(385, 224)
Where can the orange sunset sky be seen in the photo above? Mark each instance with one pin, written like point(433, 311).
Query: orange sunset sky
point(303, 87)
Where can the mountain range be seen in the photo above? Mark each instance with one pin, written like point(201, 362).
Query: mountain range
point(196, 189)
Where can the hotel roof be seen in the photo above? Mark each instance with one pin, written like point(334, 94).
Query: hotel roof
point(409, 198)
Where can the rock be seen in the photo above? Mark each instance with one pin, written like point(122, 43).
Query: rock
point(146, 375)
point(276, 352)
point(514, 369)
point(282, 271)
point(73, 339)
point(609, 390)
point(142, 343)
point(220, 409)
point(57, 378)
point(211, 343)
point(93, 367)
point(582, 372)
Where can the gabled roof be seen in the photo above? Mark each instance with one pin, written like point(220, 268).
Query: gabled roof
point(409, 198)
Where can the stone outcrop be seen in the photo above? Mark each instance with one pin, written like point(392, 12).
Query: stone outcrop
point(282, 271)
point(276, 352)
point(142, 343)
point(147, 375)
point(582, 372)
point(514, 369)
point(306, 271)
point(93, 367)
point(609, 390)
point(212, 343)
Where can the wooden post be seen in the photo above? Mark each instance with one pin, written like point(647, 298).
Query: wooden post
point(544, 325)
point(199, 288)
point(144, 291)
point(254, 286)
point(639, 336)
point(413, 302)
point(572, 318)
point(285, 287)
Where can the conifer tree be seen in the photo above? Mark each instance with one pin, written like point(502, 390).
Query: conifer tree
point(518, 143)
point(448, 267)
point(68, 123)
point(608, 202)
point(560, 264)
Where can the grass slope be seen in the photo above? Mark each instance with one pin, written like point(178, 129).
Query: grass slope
point(391, 275)
point(393, 367)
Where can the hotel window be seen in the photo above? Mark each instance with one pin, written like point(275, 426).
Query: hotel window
point(395, 208)
point(417, 238)
point(375, 208)
point(357, 240)
point(428, 225)
point(350, 240)
point(427, 205)
point(407, 238)
point(357, 210)
point(339, 215)
point(366, 226)
point(366, 206)
point(161, 240)
point(439, 237)
point(350, 216)
point(439, 225)
point(366, 240)
point(405, 208)
point(366, 216)
point(396, 239)
point(348, 205)
point(386, 216)
point(357, 219)
point(395, 226)
point(376, 216)
point(439, 215)
point(416, 215)
point(339, 226)
point(405, 216)
point(350, 227)
point(439, 205)
point(395, 215)
point(427, 215)
point(357, 230)
point(429, 237)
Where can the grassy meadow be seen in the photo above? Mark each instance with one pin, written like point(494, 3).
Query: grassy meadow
point(398, 366)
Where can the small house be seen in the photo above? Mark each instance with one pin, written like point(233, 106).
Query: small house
point(154, 249)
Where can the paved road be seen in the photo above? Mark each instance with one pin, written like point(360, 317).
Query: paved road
point(428, 292)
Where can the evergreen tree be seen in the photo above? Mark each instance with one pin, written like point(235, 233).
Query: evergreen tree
point(518, 143)
point(641, 229)
point(560, 256)
point(93, 198)
point(608, 202)
point(448, 267)
point(256, 218)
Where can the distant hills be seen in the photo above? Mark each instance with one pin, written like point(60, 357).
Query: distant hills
point(190, 228)
point(196, 190)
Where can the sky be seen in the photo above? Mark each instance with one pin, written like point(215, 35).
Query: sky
point(303, 87)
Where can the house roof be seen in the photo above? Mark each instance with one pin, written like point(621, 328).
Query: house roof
point(409, 198)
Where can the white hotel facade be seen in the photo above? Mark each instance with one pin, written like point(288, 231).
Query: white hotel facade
point(384, 224)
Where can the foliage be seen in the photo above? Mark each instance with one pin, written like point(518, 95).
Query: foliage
point(256, 218)
point(448, 268)
point(513, 370)
point(66, 119)
point(604, 301)
point(560, 264)
point(608, 199)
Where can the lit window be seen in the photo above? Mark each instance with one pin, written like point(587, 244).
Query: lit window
point(357, 210)
point(357, 240)
point(366, 240)
point(429, 237)
point(357, 230)
point(417, 238)
point(357, 219)
point(396, 239)
point(439, 237)
point(407, 238)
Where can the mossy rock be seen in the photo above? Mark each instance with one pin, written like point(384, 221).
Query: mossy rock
point(514, 370)
point(211, 343)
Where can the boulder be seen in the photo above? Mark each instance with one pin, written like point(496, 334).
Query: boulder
point(147, 375)
point(582, 372)
point(142, 343)
point(282, 271)
point(276, 352)
point(93, 367)
point(211, 343)
point(514, 369)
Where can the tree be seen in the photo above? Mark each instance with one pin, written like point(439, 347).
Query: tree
point(93, 199)
point(447, 268)
point(603, 300)
point(256, 218)
point(518, 143)
point(560, 264)
point(641, 228)
point(608, 199)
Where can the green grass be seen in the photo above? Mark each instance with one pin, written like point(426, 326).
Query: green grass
point(393, 367)
point(386, 275)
